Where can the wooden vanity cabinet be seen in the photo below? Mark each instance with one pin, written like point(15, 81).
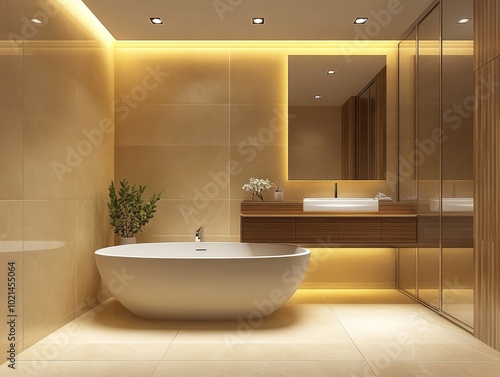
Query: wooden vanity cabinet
point(287, 223)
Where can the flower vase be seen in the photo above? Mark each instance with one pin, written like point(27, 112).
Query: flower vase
point(258, 194)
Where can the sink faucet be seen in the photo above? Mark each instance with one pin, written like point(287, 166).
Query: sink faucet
point(335, 193)
point(199, 234)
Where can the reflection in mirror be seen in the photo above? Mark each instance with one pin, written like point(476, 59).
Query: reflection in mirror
point(341, 134)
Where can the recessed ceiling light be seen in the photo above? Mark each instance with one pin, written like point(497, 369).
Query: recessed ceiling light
point(36, 21)
point(317, 97)
point(331, 72)
point(156, 20)
point(463, 21)
point(360, 20)
point(258, 21)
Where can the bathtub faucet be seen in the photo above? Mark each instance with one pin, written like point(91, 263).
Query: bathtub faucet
point(199, 234)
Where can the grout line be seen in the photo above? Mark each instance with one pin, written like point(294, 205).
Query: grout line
point(173, 340)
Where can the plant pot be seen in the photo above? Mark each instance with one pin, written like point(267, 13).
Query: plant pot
point(127, 240)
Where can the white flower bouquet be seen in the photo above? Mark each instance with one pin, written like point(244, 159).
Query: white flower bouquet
point(256, 186)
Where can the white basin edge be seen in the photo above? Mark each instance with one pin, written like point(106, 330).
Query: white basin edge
point(340, 204)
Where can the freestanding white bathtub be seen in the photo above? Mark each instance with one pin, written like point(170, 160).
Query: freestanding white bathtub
point(202, 280)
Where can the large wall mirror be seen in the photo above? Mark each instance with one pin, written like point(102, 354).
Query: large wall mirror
point(337, 117)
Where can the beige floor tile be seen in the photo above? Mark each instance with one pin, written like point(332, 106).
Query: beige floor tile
point(353, 333)
point(307, 300)
point(281, 327)
point(80, 369)
point(427, 352)
point(112, 323)
point(409, 328)
point(365, 296)
point(95, 351)
point(263, 351)
point(267, 369)
point(436, 369)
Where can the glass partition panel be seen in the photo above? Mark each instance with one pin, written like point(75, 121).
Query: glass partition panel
point(407, 52)
point(457, 161)
point(429, 153)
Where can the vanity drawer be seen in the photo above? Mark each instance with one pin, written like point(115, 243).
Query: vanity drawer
point(315, 230)
point(268, 229)
point(399, 230)
point(359, 230)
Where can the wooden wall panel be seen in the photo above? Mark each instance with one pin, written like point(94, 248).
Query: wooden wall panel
point(487, 173)
point(381, 125)
point(486, 31)
point(349, 109)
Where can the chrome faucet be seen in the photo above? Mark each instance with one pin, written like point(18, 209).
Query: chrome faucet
point(199, 234)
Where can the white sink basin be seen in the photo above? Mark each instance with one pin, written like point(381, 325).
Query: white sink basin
point(453, 205)
point(340, 204)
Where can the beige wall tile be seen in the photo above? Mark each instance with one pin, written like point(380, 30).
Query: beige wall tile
point(11, 245)
point(258, 162)
point(39, 106)
point(183, 172)
point(92, 232)
point(167, 124)
point(11, 76)
point(258, 77)
point(94, 144)
point(351, 268)
point(49, 263)
point(11, 302)
point(259, 124)
point(183, 217)
point(49, 131)
point(11, 220)
point(235, 220)
point(11, 150)
point(170, 76)
point(10, 21)
point(95, 65)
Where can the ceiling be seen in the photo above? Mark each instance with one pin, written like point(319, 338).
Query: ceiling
point(215, 20)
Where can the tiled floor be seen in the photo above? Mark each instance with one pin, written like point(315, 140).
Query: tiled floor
point(351, 333)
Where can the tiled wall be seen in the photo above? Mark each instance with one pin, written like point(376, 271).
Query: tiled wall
point(202, 119)
point(57, 161)
point(486, 172)
point(198, 120)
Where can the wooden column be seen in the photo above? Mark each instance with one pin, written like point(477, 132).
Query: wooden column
point(487, 171)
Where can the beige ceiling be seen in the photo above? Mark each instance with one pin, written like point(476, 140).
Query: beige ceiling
point(230, 19)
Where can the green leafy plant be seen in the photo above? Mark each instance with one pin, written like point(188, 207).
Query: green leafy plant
point(128, 212)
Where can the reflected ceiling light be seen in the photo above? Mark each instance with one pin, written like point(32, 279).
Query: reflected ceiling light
point(156, 20)
point(331, 72)
point(258, 21)
point(360, 20)
point(463, 21)
point(317, 97)
point(36, 21)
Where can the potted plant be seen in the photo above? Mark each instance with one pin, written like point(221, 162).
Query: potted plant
point(128, 212)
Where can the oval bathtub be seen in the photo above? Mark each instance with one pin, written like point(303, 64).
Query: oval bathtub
point(202, 280)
